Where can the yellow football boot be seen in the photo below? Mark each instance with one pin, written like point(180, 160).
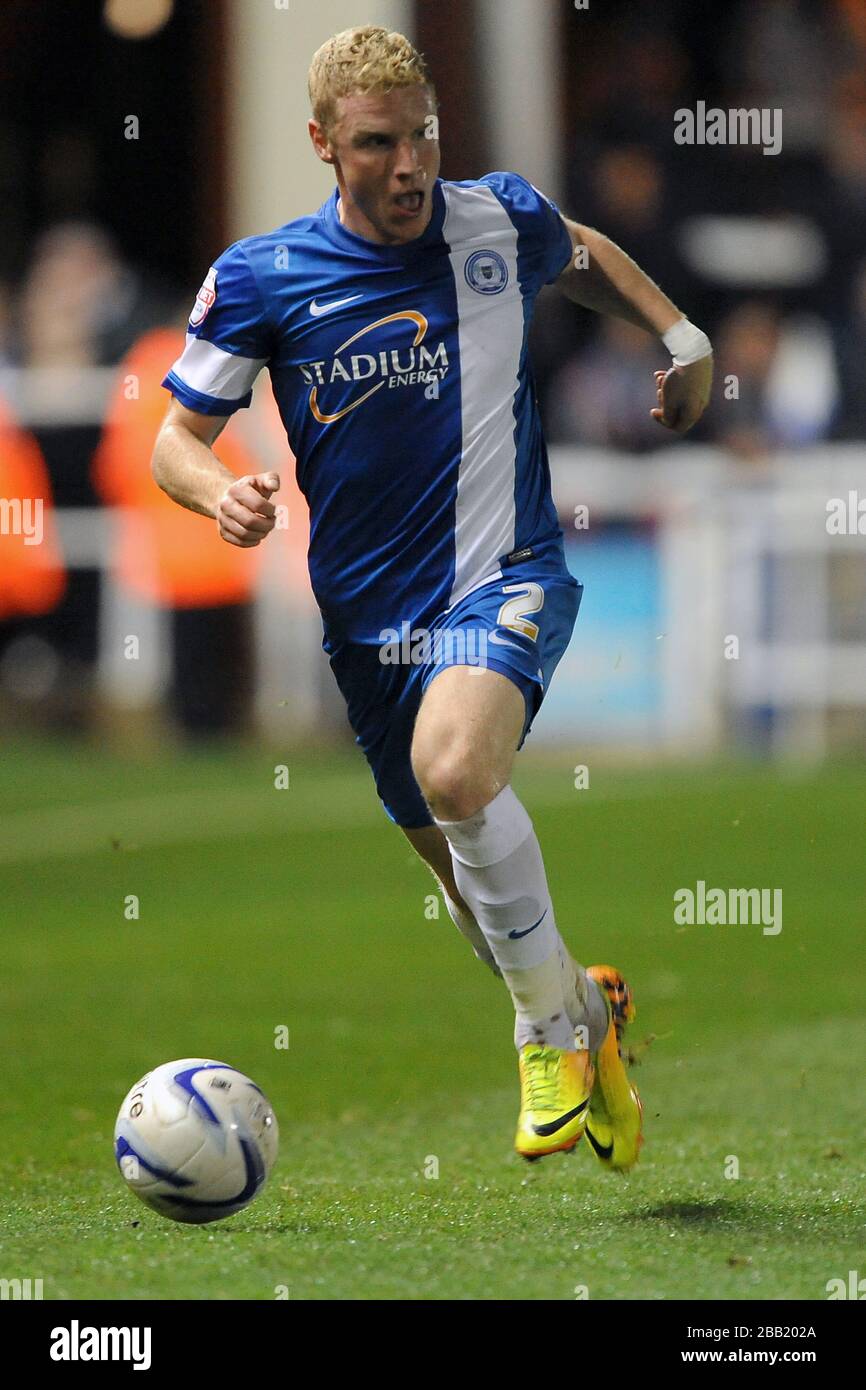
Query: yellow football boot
point(554, 1095)
point(614, 1123)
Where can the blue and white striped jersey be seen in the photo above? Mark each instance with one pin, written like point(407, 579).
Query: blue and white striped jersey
point(402, 379)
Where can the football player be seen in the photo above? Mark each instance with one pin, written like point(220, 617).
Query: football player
point(393, 322)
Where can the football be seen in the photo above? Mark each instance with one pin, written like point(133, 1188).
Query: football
point(195, 1139)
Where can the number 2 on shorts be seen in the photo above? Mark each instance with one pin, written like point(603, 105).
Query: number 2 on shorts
point(528, 598)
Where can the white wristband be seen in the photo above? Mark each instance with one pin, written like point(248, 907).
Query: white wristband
point(686, 343)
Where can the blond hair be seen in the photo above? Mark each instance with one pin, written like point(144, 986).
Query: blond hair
point(365, 59)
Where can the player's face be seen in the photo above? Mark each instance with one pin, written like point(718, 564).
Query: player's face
point(386, 160)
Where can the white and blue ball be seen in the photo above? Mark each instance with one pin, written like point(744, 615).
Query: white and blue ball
point(195, 1139)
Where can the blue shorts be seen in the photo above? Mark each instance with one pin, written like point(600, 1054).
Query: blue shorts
point(519, 625)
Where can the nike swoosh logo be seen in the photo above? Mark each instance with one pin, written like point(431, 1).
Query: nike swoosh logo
point(603, 1150)
point(516, 935)
point(318, 309)
point(554, 1125)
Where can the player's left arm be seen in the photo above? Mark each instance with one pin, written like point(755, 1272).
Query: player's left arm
point(600, 276)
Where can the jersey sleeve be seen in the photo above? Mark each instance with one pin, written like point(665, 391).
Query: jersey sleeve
point(544, 244)
point(228, 340)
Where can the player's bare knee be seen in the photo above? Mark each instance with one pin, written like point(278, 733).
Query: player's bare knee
point(453, 788)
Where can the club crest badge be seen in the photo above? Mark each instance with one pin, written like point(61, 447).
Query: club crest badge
point(486, 272)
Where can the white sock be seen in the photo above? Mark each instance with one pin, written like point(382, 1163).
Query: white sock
point(584, 1001)
point(466, 923)
point(499, 871)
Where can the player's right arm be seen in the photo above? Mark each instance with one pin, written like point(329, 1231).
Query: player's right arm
point(186, 468)
point(228, 342)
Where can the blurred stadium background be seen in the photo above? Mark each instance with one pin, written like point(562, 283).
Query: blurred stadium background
point(138, 138)
point(151, 677)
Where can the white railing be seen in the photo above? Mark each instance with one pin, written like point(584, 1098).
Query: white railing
point(748, 616)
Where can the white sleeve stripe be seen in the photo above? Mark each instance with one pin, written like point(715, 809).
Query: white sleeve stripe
point(212, 371)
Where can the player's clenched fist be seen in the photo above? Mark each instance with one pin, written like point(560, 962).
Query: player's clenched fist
point(683, 394)
point(244, 514)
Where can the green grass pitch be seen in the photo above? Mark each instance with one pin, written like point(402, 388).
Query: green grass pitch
point(305, 908)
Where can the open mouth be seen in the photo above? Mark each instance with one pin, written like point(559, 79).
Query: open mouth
point(410, 202)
